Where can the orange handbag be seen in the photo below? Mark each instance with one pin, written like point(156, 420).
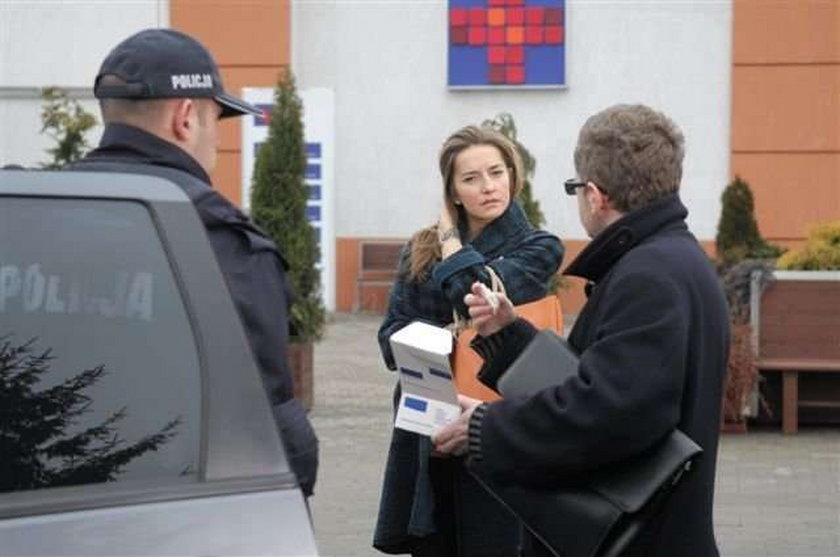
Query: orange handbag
point(544, 313)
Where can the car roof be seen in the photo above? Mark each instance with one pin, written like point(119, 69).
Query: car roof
point(90, 185)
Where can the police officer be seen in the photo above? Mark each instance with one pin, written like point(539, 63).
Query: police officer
point(161, 98)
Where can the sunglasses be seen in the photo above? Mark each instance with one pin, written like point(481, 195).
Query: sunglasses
point(572, 184)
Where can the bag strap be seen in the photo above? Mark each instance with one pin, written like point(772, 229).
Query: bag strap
point(496, 285)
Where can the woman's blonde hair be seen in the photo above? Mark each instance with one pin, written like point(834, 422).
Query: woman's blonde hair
point(425, 249)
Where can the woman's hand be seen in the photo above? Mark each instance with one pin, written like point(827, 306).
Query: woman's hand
point(448, 219)
point(489, 317)
point(447, 231)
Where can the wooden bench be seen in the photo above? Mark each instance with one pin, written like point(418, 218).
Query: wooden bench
point(796, 328)
point(378, 261)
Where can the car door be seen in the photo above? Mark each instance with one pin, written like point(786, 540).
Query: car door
point(132, 416)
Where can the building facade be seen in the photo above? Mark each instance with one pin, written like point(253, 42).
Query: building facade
point(754, 86)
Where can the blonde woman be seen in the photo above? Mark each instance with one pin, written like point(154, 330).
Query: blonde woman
point(430, 506)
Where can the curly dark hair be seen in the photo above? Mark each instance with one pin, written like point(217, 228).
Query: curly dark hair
point(633, 153)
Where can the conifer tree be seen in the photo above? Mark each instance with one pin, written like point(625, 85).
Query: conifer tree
point(504, 124)
point(278, 206)
point(39, 444)
point(738, 237)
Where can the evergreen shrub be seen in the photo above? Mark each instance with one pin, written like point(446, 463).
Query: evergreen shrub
point(821, 252)
point(278, 205)
point(738, 237)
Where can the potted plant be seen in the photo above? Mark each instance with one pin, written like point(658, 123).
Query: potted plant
point(796, 320)
point(278, 206)
point(742, 254)
point(740, 391)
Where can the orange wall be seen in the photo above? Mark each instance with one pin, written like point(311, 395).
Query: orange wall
point(346, 272)
point(786, 112)
point(250, 42)
point(571, 295)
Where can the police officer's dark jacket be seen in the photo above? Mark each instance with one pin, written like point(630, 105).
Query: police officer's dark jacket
point(253, 268)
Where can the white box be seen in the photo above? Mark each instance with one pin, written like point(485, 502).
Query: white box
point(429, 400)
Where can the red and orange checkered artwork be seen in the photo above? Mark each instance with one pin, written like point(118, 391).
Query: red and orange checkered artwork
point(507, 43)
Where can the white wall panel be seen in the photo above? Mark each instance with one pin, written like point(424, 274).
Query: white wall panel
point(386, 62)
point(57, 42)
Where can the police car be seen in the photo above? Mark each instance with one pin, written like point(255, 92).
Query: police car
point(132, 415)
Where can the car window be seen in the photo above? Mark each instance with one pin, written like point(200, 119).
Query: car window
point(99, 373)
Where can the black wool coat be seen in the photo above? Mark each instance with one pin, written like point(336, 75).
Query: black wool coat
point(654, 340)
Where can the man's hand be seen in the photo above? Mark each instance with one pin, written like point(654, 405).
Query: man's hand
point(488, 317)
point(453, 439)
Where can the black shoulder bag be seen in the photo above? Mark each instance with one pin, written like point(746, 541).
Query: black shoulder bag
point(599, 515)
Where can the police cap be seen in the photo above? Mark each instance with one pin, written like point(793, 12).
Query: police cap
point(164, 63)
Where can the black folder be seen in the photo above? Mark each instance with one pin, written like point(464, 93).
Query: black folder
point(548, 360)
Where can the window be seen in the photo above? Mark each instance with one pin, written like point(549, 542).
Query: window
point(99, 372)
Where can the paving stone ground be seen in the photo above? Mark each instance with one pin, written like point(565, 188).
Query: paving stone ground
point(776, 496)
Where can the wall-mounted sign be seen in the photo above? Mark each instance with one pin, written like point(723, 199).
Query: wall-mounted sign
point(507, 43)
